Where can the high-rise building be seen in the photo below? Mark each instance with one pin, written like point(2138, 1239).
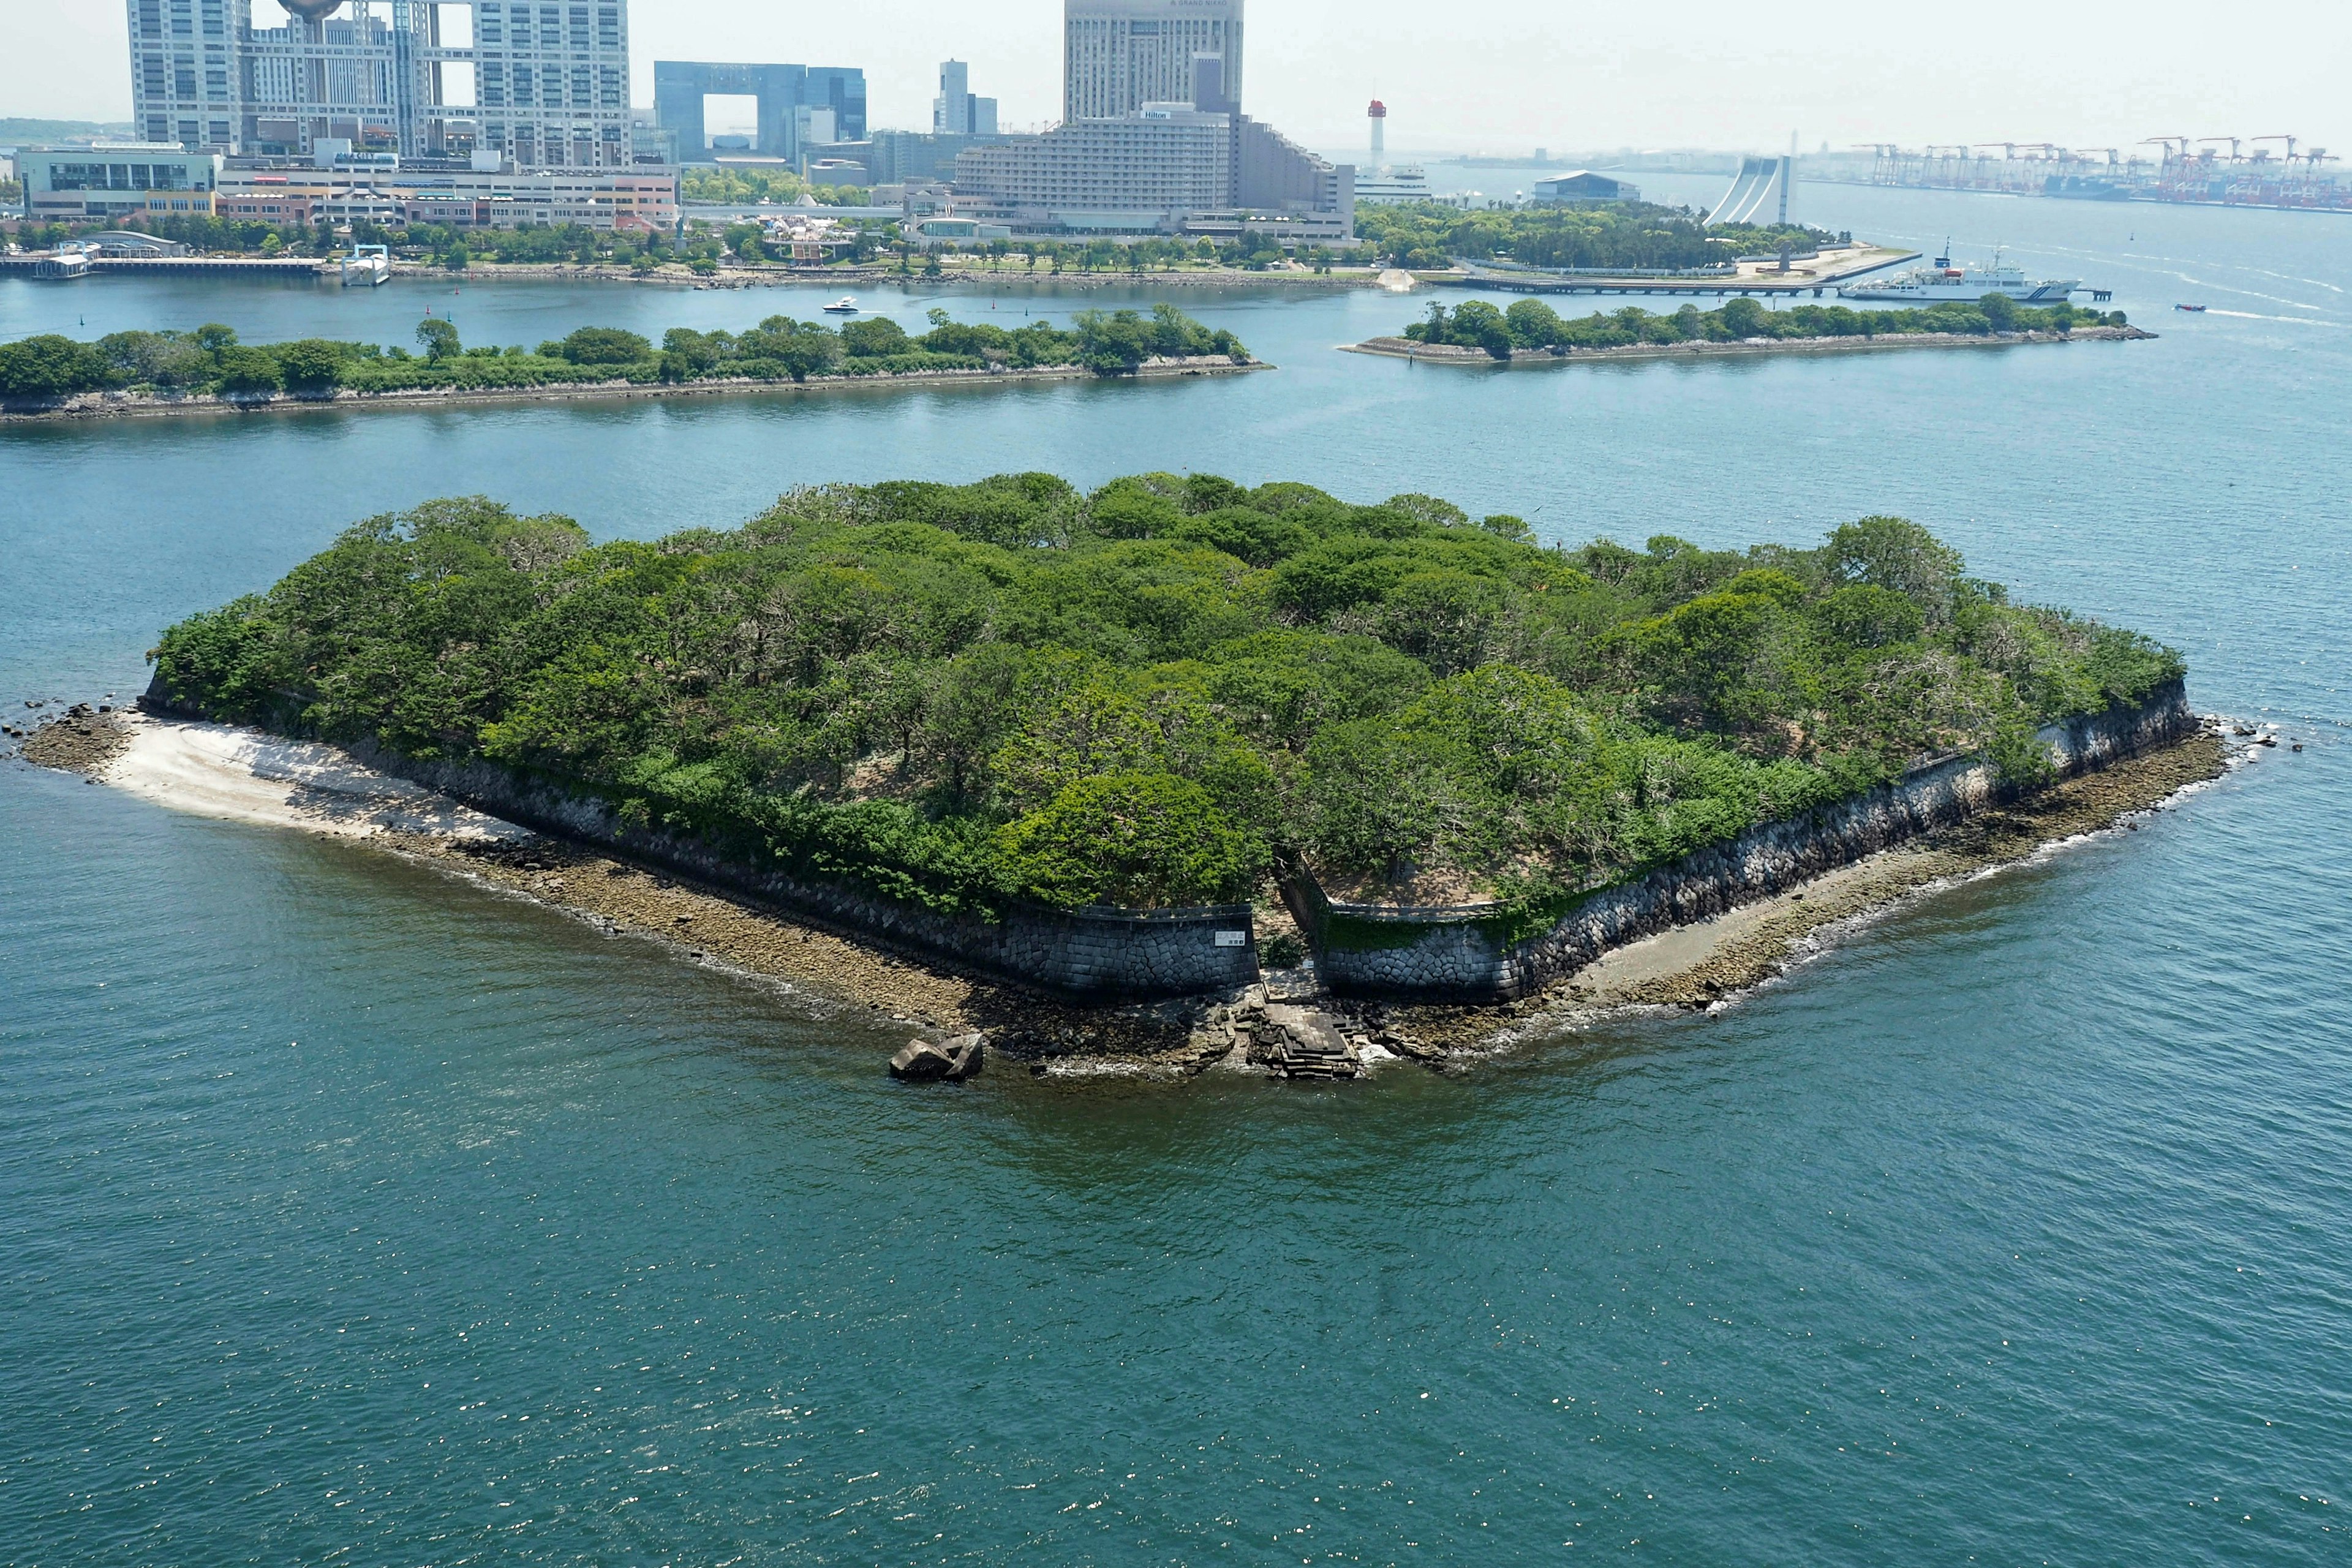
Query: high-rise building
point(1119, 55)
point(799, 108)
point(956, 112)
point(546, 85)
point(1169, 168)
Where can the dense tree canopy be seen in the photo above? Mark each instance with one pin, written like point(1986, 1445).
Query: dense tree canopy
point(1634, 234)
point(210, 358)
point(964, 694)
point(1531, 323)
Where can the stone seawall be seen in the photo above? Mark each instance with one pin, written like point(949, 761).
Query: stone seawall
point(1466, 952)
point(1082, 955)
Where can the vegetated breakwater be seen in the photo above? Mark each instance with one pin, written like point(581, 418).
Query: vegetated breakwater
point(1454, 354)
point(1531, 332)
point(48, 376)
point(1084, 954)
point(1479, 954)
point(1264, 1025)
point(137, 405)
point(1065, 738)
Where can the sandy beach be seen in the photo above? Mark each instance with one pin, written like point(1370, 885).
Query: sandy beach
point(218, 771)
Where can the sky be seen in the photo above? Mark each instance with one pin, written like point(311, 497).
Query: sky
point(1502, 76)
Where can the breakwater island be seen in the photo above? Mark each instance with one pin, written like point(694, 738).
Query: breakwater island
point(1150, 743)
point(1530, 333)
point(208, 370)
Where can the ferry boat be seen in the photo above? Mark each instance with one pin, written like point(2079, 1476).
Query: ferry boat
point(1963, 285)
point(845, 306)
point(367, 266)
point(66, 261)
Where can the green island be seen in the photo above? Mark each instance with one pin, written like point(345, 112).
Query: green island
point(967, 699)
point(210, 360)
point(1632, 235)
point(1531, 326)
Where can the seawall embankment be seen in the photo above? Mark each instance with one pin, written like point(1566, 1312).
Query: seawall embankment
point(147, 404)
point(1082, 955)
point(1522, 359)
point(1471, 952)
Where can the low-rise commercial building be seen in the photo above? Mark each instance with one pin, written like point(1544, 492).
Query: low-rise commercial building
point(117, 180)
point(1583, 187)
point(623, 200)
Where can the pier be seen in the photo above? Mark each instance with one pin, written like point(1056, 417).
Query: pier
point(1752, 277)
point(186, 265)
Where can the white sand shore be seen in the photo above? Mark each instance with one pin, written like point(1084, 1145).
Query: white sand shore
point(213, 769)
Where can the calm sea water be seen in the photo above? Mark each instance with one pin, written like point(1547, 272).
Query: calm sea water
point(349, 1215)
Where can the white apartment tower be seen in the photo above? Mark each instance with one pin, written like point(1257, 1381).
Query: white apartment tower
point(545, 84)
point(1119, 55)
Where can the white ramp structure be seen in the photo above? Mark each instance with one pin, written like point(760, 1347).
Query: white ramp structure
point(1760, 189)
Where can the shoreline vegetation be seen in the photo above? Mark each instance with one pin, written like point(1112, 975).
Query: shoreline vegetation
point(969, 700)
point(250, 776)
point(209, 370)
point(721, 248)
point(1531, 332)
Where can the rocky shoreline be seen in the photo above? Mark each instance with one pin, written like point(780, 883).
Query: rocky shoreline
point(797, 277)
point(1284, 1026)
point(1453, 355)
point(141, 405)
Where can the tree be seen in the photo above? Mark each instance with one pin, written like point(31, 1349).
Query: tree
point(596, 346)
point(1743, 317)
point(1138, 841)
point(2001, 310)
point(50, 366)
point(248, 371)
point(311, 364)
point(438, 339)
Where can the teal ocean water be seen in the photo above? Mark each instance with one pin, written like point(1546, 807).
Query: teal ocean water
point(351, 1214)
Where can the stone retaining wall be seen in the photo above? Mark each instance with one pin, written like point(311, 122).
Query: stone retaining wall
point(1085, 955)
point(1464, 953)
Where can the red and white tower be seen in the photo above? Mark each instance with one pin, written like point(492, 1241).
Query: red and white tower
point(1379, 115)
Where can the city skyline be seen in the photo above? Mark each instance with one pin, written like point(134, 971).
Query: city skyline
point(1504, 76)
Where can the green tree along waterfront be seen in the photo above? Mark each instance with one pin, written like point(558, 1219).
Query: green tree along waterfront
point(1533, 324)
point(728, 186)
point(211, 360)
point(1634, 234)
point(959, 696)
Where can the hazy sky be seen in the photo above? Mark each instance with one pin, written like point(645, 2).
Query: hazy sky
point(1505, 75)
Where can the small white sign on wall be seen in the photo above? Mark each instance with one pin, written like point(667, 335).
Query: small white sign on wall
point(1233, 938)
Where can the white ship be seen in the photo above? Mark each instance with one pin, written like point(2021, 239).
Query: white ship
point(1406, 183)
point(1964, 285)
point(367, 267)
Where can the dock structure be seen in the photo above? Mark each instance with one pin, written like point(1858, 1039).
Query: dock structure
point(1762, 279)
point(186, 266)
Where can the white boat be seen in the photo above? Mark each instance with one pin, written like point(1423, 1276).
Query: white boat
point(845, 306)
point(367, 266)
point(66, 261)
point(1963, 285)
point(1405, 183)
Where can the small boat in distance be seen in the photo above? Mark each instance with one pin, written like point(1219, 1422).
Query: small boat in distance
point(2189, 307)
point(845, 306)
